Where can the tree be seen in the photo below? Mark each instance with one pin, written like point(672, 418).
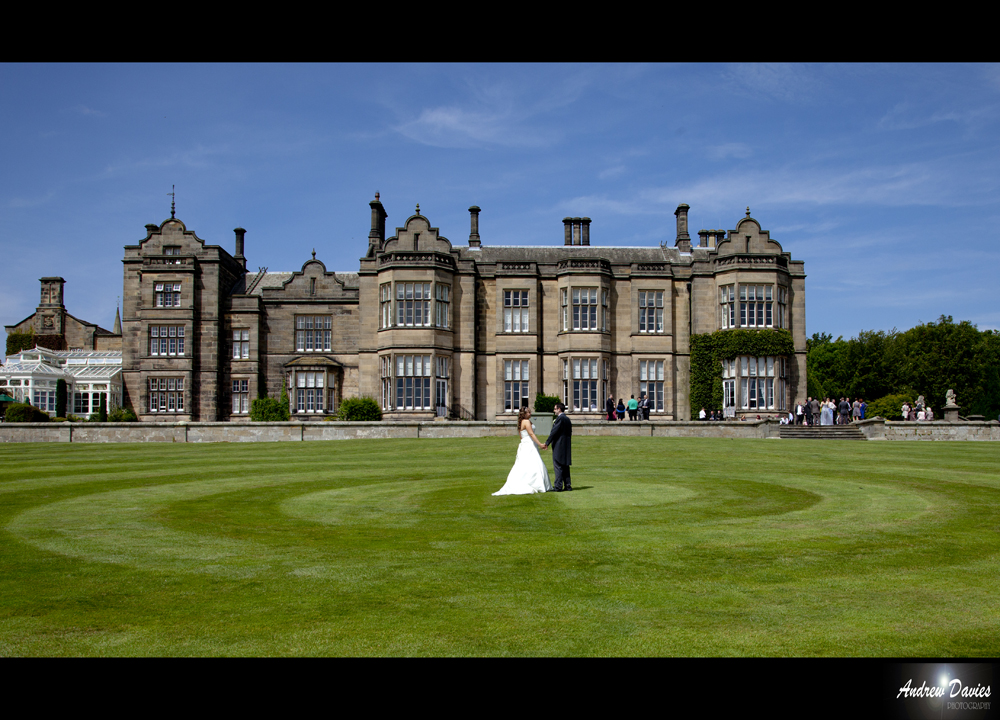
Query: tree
point(925, 360)
point(60, 398)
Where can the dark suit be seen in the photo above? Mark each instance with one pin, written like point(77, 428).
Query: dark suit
point(562, 454)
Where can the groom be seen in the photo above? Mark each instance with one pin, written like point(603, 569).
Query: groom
point(562, 453)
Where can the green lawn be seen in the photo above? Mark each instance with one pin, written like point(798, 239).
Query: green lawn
point(676, 547)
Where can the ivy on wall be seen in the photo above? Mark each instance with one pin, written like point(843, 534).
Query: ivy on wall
point(18, 341)
point(709, 350)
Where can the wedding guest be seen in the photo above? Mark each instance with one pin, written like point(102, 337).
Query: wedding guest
point(633, 408)
point(621, 409)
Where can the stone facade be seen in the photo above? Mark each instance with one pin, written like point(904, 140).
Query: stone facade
point(433, 329)
point(56, 329)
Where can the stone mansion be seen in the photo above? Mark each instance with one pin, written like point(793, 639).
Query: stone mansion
point(468, 331)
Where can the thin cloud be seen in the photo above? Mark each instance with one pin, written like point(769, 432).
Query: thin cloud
point(84, 110)
point(455, 127)
point(22, 202)
point(498, 114)
point(780, 81)
point(727, 150)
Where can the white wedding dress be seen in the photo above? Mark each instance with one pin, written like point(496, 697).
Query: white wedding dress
point(529, 474)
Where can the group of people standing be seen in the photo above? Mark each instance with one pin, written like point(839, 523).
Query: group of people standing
point(830, 412)
point(919, 411)
point(636, 409)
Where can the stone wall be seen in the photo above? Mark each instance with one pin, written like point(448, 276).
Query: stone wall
point(879, 429)
point(299, 431)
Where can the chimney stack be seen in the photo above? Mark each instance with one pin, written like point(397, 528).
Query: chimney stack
point(585, 231)
point(474, 241)
point(240, 232)
point(683, 239)
point(377, 235)
point(568, 228)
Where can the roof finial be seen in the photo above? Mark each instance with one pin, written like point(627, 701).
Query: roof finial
point(314, 253)
point(418, 208)
point(376, 196)
point(173, 197)
point(748, 211)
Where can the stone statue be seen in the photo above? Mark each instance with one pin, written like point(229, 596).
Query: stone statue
point(949, 398)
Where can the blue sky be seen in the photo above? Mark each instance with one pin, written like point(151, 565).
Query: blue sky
point(883, 178)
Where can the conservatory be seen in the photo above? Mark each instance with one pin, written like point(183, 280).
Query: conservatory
point(31, 377)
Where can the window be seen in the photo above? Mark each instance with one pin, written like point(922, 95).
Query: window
point(167, 294)
point(413, 304)
point(443, 305)
point(651, 382)
point(171, 250)
point(241, 345)
point(166, 395)
point(312, 333)
point(241, 397)
point(385, 371)
point(651, 311)
point(727, 299)
point(166, 340)
point(755, 306)
point(81, 403)
point(782, 304)
point(565, 310)
point(580, 376)
point(515, 386)
point(515, 311)
point(309, 391)
point(44, 400)
point(413, 382)
point(385, 305)
point(761, 382)
point(585, 308)
point(441, 387)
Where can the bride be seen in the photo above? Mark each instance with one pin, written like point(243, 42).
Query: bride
point(529, 474)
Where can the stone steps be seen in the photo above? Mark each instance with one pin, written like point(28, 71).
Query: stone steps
point(820, 432)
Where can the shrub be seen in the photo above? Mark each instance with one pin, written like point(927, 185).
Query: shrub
point(23, 412)
point(888, 407)
point(359, 409)
point(103, 411)
point(546, 403)
point(267, 409)
point(122, 415)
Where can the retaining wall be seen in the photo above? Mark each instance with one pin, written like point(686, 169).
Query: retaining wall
point(876, 429)
point(879, 429)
